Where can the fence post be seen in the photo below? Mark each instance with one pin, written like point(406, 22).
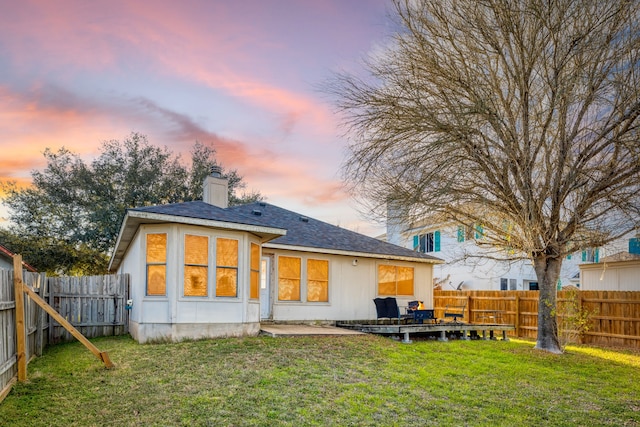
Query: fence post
point(21, 344)
point(580, 302)
point(517, 319)
point(41, 316)
point(51, 319)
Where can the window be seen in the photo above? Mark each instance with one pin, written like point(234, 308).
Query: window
point(254, 290)
point(461, 233)
point(317, 280)
point(263, 274)
point(226, 267)
point(157, 264)
point(289, 278)
point(533, 286)
point(196, 265)
point(504, 284)
point(469, 231)
point(395, 280)
point(591, 255)
point(429, 242)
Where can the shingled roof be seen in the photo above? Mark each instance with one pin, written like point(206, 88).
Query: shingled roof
point(278, 227)
point(202, 210)
point(305, 232)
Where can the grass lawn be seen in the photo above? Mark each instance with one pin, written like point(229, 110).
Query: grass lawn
point(358, 380)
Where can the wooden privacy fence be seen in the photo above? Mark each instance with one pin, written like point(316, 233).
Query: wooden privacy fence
point(614, 316)
point(94, 305)
point(36, 325)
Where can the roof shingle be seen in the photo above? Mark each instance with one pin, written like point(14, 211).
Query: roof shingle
point(301, 231)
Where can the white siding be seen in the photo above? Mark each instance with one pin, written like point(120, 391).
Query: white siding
point(175, 316)
point(614, 276)
point(352, 289)
point(471, 264)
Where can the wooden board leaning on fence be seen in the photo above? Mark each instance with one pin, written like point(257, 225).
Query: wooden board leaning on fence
point(20, 289)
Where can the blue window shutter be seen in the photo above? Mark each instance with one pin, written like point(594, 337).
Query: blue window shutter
point(479, 231)
point(416, 242)
point(584, 256)
point(436, 241)
point(634, 246)
point(460, 233)
point(569, 256)
point(596, 257)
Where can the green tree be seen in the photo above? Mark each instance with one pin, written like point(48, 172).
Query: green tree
point(68, 220)
point(520, 115)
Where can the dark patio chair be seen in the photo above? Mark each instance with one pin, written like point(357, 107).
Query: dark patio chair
point(387, 308)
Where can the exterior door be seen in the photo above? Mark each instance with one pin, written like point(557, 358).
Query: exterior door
point(265, 288)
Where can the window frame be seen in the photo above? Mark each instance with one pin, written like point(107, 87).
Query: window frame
point(280, 277)
point(153, 264)
point(197, 265)
point(219, 267)
point(396, 282)
point(308, 280)
point(428, 242)
point(254, 274)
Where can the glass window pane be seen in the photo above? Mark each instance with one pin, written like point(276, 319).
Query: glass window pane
point(289, 267)
point(318, 269)
point(196, 250)
point(317, 280)
point(289, 289)
point(254, 292)
point(263, 274)
point(255, 257)
point(405, 280)
point(227, 253)
point(195, 281)
point(157, 248)
point(289, 278)
point(156, 279)
point(318, 291)
point(226, 282)
point(386, 280)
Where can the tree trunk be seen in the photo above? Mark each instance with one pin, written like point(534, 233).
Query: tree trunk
point(548, 272)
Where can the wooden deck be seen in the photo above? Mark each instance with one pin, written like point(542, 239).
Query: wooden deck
point(482, 330)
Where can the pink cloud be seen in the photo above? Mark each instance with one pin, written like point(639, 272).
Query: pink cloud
point(78, 73)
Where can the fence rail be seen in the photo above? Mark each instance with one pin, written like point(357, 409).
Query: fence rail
point(614, 316)
point(95, 305)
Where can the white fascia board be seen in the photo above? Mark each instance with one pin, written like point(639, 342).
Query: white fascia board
point(350, 253)
point(257, 229)
point(133, 219)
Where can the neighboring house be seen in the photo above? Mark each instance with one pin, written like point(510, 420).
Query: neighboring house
point(470, 266)
point(202, 269)
point(6, 260)
point(618, 272)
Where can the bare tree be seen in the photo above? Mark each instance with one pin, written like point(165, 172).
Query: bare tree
point(519, 115)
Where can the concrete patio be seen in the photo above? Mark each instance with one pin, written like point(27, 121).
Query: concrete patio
point(286, 330)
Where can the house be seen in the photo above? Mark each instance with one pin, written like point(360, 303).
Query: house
point(618, 272)
point(203, 269)
point(6, 260)
point(470, 266)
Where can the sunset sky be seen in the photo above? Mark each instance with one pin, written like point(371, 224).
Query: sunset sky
point(242, 75)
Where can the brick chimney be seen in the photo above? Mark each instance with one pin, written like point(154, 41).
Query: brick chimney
point(216, 188)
